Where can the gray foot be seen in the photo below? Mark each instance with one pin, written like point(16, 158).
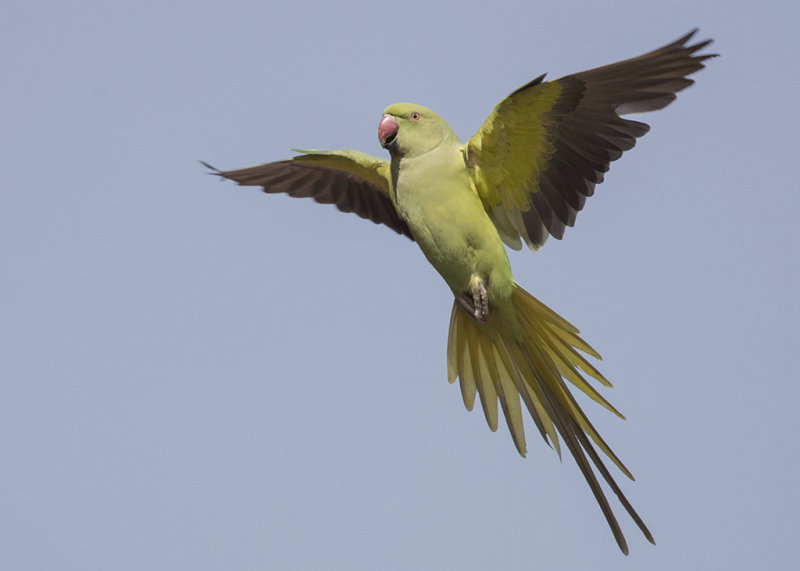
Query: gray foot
point(480, 303)
point(476, 300)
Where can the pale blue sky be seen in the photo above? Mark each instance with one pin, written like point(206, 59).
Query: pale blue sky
point(199, 376)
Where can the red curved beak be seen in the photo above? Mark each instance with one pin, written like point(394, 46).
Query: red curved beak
point(387, 131)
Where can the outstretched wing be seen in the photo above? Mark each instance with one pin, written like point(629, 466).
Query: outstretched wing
point(542, 150)
point(353, 181)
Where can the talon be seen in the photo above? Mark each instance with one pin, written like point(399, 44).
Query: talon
point(480, 302)
point(476, 300)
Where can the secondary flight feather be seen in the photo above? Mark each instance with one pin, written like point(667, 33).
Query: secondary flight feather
point(523, 176)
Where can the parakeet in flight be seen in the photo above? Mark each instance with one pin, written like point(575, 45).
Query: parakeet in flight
point(523, 176)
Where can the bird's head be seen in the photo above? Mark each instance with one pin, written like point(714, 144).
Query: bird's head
point(407, 130)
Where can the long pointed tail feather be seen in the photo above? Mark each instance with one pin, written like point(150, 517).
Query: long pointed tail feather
point(534, 360)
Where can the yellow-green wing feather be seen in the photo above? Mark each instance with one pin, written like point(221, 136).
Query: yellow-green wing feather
point(371, 169)
point(513, 145)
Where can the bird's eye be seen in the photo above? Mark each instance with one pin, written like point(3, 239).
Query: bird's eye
point(414, 116)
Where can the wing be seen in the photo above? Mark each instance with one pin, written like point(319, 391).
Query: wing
point(353, 181)
point(542, 150)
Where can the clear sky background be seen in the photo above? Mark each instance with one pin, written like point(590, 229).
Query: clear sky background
point(195, 375)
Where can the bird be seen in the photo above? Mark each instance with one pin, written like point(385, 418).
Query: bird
point(521, 178)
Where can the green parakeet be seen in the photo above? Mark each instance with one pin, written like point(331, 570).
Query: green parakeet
point(523, 176)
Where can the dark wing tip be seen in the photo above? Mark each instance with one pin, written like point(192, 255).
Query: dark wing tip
point(215, 171)
point(684, 39)
point(692, 49)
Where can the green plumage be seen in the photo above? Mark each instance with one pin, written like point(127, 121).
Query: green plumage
point(522, 177)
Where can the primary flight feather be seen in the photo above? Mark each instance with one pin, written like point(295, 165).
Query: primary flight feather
point(523, 176)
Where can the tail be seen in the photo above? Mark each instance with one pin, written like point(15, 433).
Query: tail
point(532, 361)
